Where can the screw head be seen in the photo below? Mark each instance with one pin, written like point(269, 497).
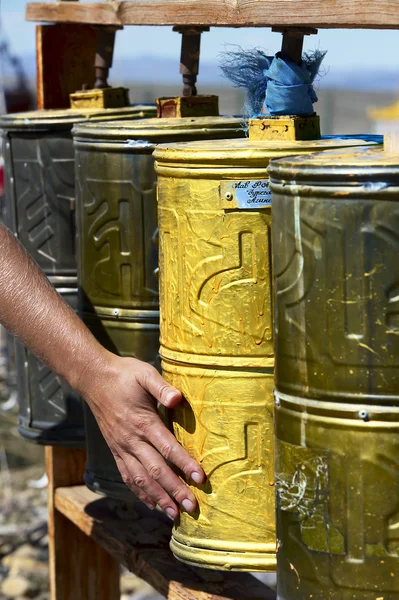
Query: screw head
point(364, 415)
point(277, 401)
point(116, 312)
point(229, 196)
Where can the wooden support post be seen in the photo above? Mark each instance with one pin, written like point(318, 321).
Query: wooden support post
point(292, 43)
point(65, 57)
point(189, 57)
point(80, 569)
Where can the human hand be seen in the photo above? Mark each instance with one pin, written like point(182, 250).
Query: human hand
point(123, 397)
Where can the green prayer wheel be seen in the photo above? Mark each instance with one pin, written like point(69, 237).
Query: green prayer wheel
point(118, 248)
point(336, 274)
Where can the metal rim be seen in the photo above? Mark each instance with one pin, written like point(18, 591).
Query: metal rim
point(45, 120)
point(245, 152)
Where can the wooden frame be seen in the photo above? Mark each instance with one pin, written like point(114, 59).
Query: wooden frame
point(88, 540)
point(355, 14)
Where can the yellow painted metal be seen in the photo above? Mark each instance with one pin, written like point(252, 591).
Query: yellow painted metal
point(217, 341)
point(110, 97)
point(285, 128)
point(226, 423)
point(335, 247)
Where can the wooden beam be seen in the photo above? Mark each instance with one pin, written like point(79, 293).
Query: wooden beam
point(79, 568)
point(65, 61)
point(140, 541)
point(356, 14)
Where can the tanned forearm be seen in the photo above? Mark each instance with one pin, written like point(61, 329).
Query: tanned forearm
point(40, 318)
point(122, 392)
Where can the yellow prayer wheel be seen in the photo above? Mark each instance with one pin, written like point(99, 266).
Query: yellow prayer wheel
point(336, 274)
point(216, 333)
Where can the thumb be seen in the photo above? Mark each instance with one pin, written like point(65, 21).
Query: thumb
point(153, 383)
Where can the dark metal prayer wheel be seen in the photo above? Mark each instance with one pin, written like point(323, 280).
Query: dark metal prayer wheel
point(217, 343)
point(40, 196)
point(118, 241)
point(336, 274)
point(50, 411)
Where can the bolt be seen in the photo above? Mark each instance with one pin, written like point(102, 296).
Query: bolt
point(364, 415)
point(229, 196)
point(116, 312)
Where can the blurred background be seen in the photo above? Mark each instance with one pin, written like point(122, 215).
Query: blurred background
point(359, 75)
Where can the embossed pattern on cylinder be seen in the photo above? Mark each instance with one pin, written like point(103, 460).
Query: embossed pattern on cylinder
point(337, 501)
point(226, 423)
point(50, 411)
point(337, 449)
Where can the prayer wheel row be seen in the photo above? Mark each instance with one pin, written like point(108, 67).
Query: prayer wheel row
point(333, 339)
point(121, 153)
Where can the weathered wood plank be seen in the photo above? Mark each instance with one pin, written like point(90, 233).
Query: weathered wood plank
point(378, 14)
point(79, 568)
point(140, 541)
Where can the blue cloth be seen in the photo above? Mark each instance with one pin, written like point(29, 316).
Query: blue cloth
point(284, 87)
point(289, 89)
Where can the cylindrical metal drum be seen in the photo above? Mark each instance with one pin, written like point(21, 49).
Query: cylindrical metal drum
point(40, 196)
point(336, 274)
point(217, 340)
point(118, 248)
point(50, 412)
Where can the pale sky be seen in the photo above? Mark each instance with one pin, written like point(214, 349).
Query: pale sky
point(346, 48)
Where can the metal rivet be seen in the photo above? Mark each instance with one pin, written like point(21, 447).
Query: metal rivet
point(229, 196)
point(364, 415)
point(277, 401)
point(116, 312)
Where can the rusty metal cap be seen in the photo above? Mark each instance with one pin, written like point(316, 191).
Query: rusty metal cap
point(65, 119)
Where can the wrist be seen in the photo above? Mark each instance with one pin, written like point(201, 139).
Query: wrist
point(94, 373)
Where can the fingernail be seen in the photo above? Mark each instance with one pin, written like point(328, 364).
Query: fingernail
point(195, 476)
point(171, 512)
point(150, 506)
point(188, 505)
point(170, 397)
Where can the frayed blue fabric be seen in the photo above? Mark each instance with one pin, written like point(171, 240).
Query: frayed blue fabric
point(284, 87)
point(245, 69)
point(289, 89)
